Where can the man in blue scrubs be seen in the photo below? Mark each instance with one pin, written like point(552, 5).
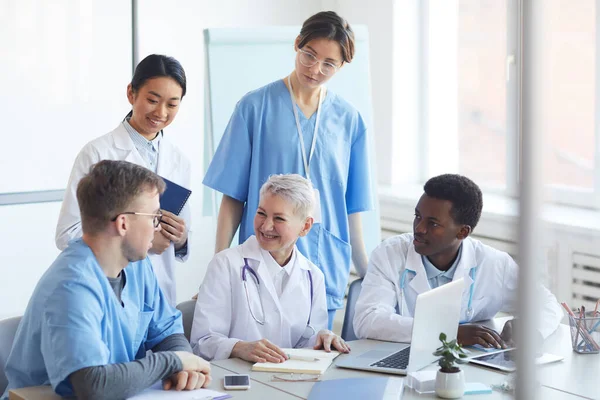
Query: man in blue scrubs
point(98, 308)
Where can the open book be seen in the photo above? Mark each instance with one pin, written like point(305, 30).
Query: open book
point(299, 366)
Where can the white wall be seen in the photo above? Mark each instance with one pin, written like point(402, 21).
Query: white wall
point(63, 64)
point(27, 249)
point(173, 28)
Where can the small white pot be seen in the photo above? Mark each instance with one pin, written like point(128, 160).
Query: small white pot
point(450, 385)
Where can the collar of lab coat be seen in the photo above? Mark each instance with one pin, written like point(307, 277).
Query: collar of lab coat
point(122, 139)
point(250, 249)
point(166, 164)
point(274, 268)
point(420, 283)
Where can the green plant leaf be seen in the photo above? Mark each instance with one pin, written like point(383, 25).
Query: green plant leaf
point(443, 337)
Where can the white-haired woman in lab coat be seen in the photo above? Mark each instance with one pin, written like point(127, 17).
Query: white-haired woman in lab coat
point(264, 295)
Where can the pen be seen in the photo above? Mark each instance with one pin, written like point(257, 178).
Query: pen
point(301, 358)
point(596, 325)
point(583, 325)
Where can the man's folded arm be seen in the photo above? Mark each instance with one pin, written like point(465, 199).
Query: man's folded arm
point(122, 380)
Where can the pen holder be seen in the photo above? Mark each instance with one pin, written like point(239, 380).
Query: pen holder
point(585, 332)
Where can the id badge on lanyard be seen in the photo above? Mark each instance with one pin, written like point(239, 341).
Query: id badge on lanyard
point(306, 160)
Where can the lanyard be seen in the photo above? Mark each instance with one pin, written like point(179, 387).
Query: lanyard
point(299, 129)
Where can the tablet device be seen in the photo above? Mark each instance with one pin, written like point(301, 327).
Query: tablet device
point(505, 360)
point(486, 349)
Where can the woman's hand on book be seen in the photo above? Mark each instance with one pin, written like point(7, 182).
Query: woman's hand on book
point(259, 351)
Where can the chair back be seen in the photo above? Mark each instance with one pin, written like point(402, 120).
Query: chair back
point(8, 329)
point(347, 327)
point(187, 313)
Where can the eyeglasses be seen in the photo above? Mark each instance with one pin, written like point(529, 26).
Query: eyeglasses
point(291, 377)
point(156, 217)
point(308, 60)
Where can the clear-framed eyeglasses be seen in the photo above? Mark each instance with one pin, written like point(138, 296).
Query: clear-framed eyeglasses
point(308, 60)
point(157, 217)
point(291, 377)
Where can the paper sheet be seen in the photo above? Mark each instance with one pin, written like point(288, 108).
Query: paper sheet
point(156, 392)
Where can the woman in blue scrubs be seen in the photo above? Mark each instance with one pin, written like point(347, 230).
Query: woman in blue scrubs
point(296, 125)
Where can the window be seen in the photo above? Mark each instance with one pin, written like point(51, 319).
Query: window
point(568, 69)
point(470, 85)
point(481, 52)
point(466, 42)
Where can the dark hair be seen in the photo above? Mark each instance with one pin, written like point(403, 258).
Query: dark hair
point(109, 188)
point(156, 66)
point(329, 25)
point(463, 193)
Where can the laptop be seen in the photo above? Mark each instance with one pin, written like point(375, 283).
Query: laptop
point(436, 311)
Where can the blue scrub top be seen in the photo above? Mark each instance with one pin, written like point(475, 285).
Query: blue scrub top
point(261, 139)
point(74, 320)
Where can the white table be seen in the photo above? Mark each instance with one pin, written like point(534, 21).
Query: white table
point(560, 380)
point(258, 391)
point(577, 373)
point(577, 377)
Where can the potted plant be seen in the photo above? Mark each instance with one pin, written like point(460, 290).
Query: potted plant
point(450, 380)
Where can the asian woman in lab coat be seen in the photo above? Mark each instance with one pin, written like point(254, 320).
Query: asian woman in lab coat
point(155, 93)
point(296, 125)
point(264, 295)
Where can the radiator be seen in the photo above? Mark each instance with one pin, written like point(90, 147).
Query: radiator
point(586, 280)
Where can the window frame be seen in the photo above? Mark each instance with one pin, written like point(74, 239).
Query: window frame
point(555, 194)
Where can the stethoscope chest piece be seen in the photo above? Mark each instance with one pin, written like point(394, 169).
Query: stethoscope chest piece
point(247, 269)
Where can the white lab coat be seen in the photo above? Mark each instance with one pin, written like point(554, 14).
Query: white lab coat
point(117, 145)
point(222, 317)
point(494, 290)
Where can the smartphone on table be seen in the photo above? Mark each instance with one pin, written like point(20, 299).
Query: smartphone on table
point(236, 382)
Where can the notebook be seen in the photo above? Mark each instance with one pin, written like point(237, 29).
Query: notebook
point(358, 388)
point(174, 197)
point(299, 366)
point(156, 391)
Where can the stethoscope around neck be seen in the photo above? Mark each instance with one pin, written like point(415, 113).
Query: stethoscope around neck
point(309, 331)
point(469, 304)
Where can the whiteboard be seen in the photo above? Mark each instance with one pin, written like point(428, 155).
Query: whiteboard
point(64, 72)
point(242, 59)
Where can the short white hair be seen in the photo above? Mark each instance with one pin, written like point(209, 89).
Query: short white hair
point(293, 188)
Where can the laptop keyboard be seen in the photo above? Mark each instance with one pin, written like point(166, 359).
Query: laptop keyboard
point(398, 360)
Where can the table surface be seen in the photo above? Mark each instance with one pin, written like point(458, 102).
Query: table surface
point(257, 391)
point(561, 380)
